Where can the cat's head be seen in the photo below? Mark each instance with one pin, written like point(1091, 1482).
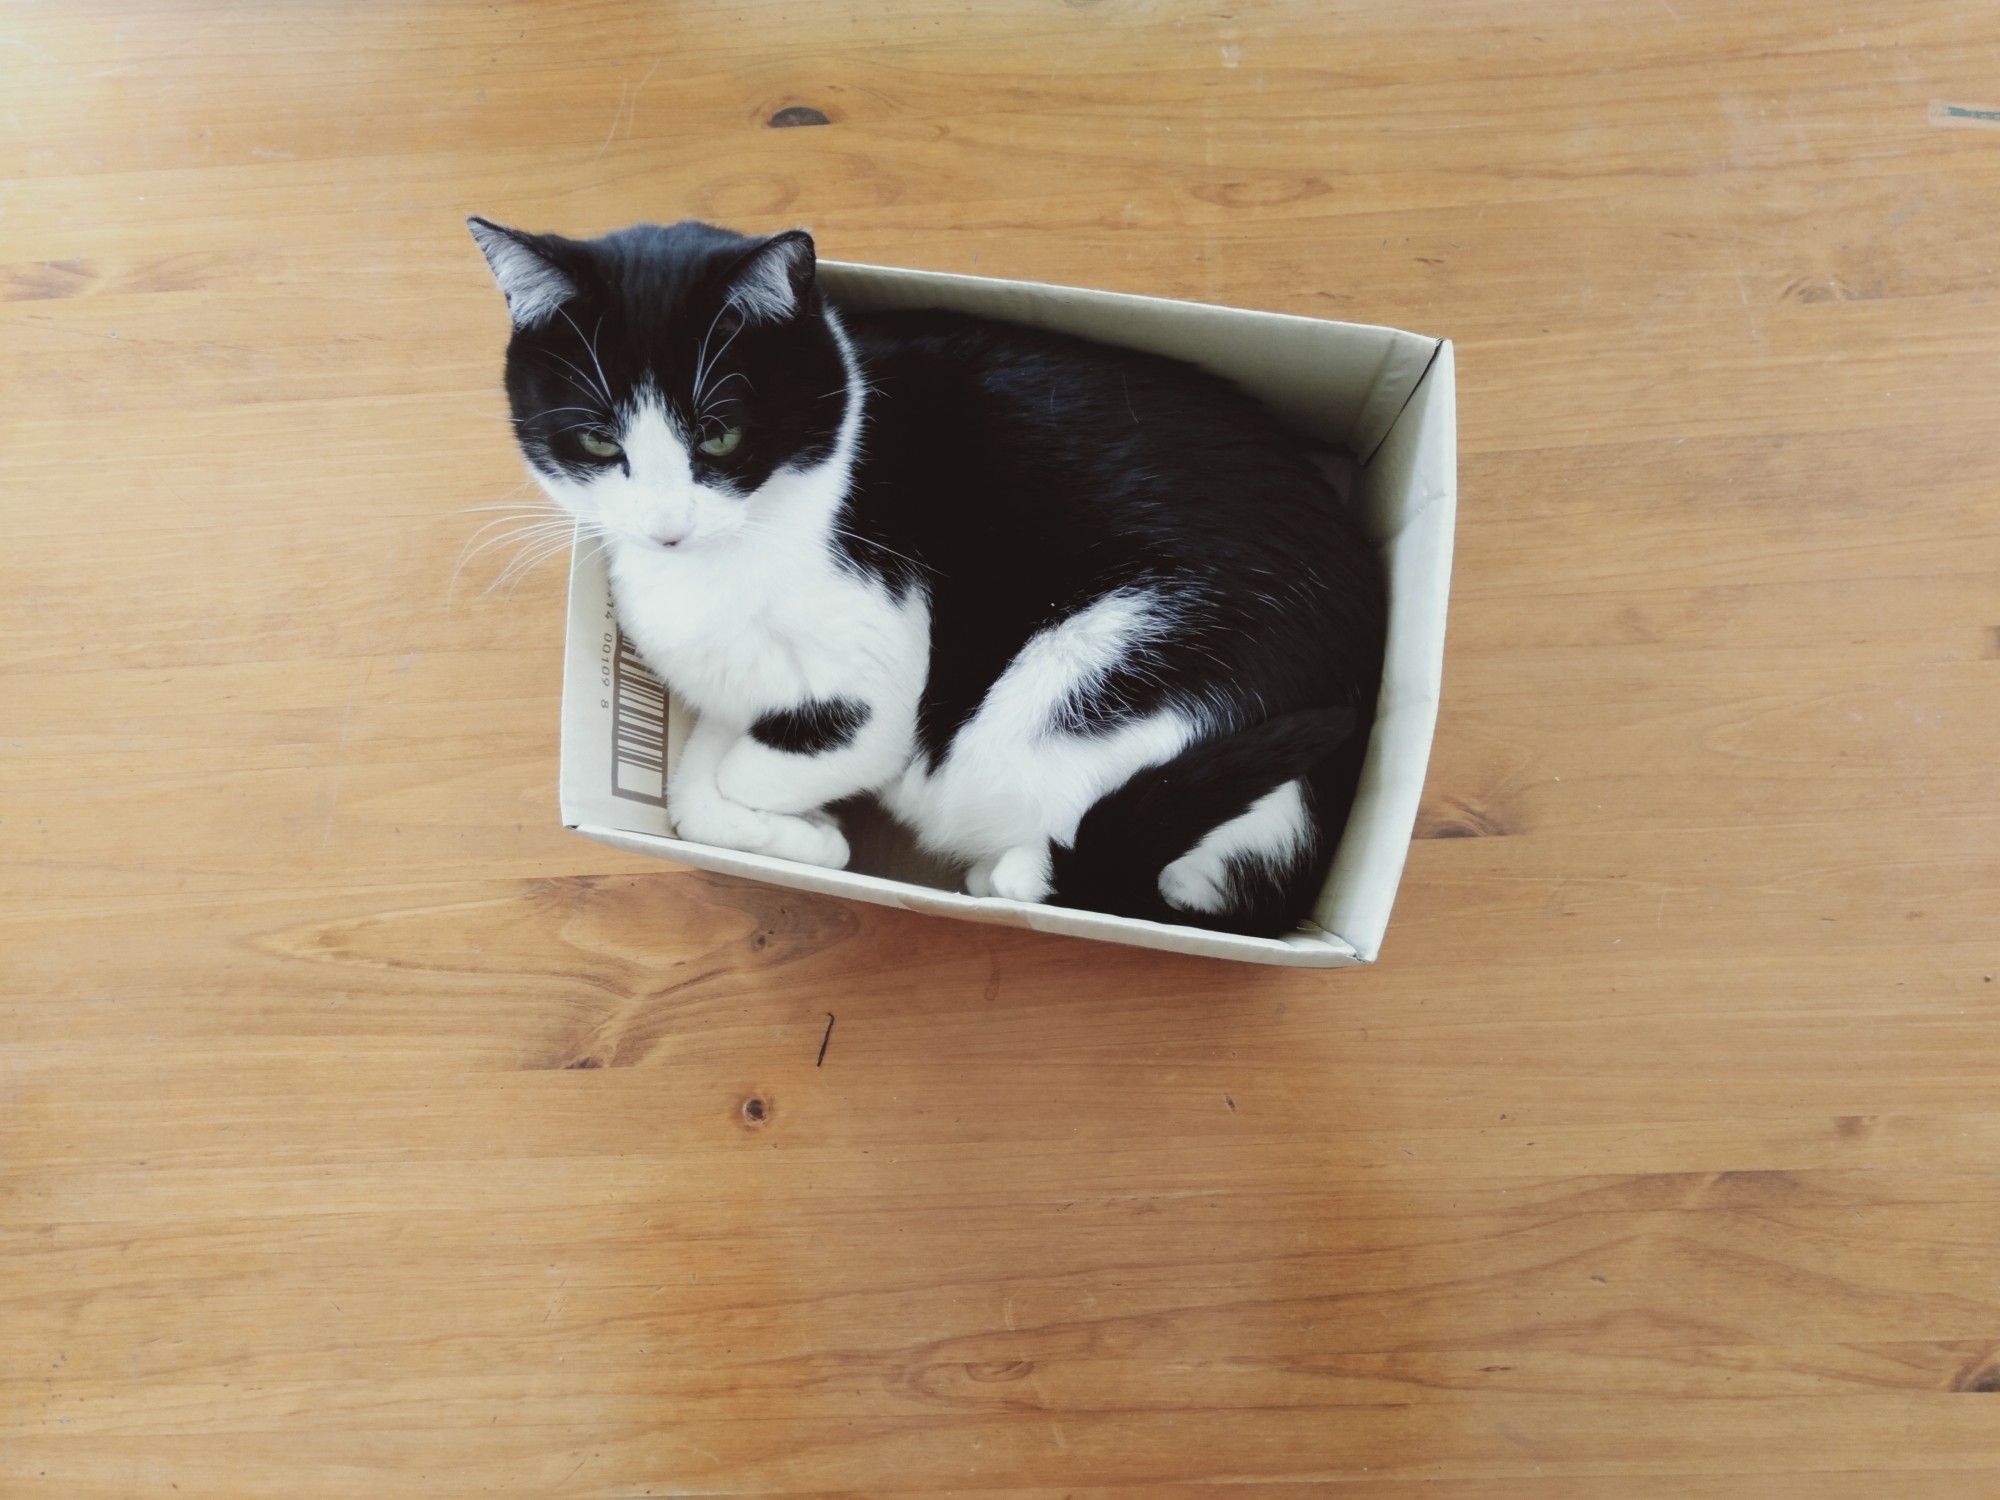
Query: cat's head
point(663, 380)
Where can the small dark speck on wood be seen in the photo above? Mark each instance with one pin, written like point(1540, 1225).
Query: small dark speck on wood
point(798, 114)
point(825, 1037)
point(1983, 1381)
point(1230, 1102)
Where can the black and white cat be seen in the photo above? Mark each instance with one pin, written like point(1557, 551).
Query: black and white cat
point(1088, 621)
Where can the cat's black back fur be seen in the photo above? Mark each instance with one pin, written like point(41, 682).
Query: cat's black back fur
point(1036, 471)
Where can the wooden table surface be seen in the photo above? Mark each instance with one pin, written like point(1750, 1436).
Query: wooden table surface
point(364, 1134)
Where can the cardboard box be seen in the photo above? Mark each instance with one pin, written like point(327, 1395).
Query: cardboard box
point(1379, 402)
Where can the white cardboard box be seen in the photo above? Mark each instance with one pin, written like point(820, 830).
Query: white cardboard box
point(1380, 400)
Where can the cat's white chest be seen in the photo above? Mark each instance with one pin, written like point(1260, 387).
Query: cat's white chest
point(742, 631)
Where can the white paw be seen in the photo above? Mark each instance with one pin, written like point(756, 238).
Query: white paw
point(979, 879)
point(1197, 881)
point(1021, 874)
point(812, 840)
point(765, 779)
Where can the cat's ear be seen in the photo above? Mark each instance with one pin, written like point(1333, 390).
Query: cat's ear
point(774, 282)
point(534, 284)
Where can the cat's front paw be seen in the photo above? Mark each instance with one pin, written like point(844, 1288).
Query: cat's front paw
point(811, 840)
point(768, 780)
point(816, 840)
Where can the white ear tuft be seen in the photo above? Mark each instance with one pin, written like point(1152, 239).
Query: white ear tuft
point(535, 285)
point(771, 283)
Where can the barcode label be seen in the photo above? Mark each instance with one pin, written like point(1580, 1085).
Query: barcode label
point(638, 728)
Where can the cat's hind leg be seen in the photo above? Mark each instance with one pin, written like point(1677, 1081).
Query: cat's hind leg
point(1264, 842)
point(1021, 874)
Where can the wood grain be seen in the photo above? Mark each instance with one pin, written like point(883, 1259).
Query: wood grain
point(363, 1134)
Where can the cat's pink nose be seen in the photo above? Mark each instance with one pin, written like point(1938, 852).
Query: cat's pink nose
point(667, 536)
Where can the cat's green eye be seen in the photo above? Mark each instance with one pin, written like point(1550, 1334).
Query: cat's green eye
point(599, 447)
point(723, 443)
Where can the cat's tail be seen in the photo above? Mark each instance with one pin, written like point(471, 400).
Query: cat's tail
point(1234, 833)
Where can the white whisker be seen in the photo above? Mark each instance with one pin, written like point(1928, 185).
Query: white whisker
point(478, 542)
point(701, 354)
point(857, 537)
point(704, 367)
point(526, 539)
point(732, 375)
point(590, 347)
point(583, 381)
point(506, 500)
point(530, 558)
point(588, 411)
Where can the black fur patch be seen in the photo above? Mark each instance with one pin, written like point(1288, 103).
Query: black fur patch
point(811, 728)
